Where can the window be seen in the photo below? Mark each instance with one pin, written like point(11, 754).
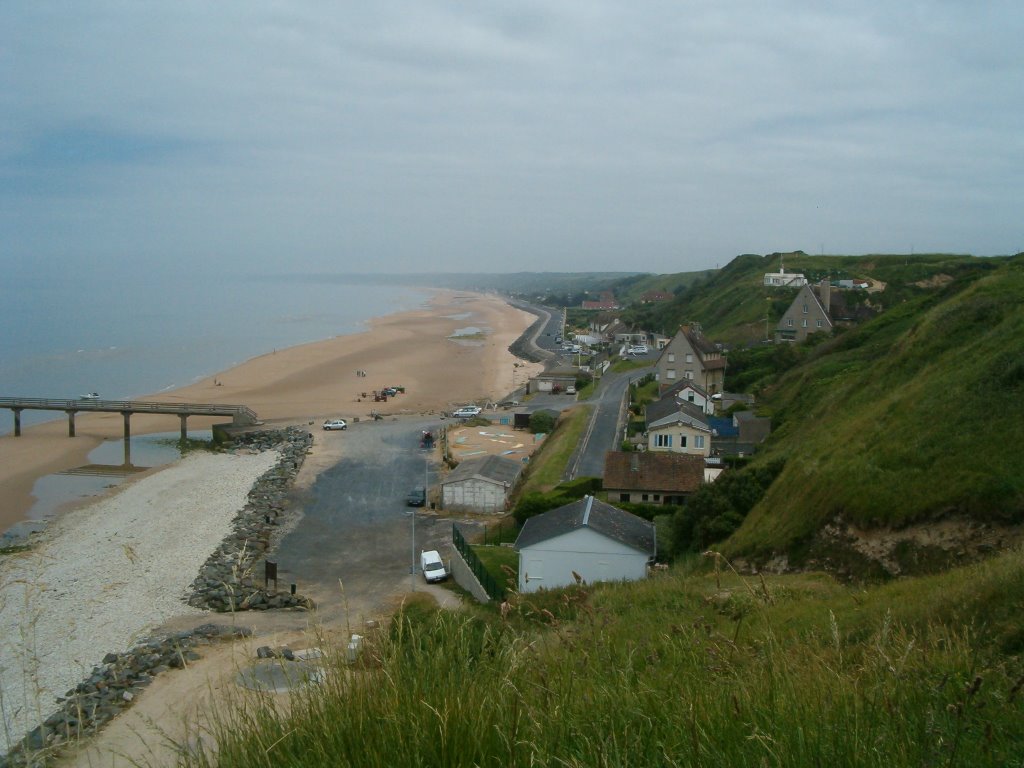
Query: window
point(789, 321)
point(804, 322)
point(671, 357)
point(698, 441)
point(690, 395)
point(663, 441)
point(682, 441)
point(643, 497)
point(805, 309)
point(623, 497)
point(689, 357)
point(657, 497)
point(818, 323)
point(670, 373)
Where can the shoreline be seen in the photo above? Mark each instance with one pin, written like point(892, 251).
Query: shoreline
point(308, 383)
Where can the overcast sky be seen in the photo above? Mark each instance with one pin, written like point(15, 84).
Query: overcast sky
point(506, 136)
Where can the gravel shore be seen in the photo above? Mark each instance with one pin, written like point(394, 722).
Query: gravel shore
point(107, 574)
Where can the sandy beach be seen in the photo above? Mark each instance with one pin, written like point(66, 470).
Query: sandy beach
point(112, 569)
point(310, 382)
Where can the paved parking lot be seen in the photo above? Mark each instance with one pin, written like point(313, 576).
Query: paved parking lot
point(353, 544)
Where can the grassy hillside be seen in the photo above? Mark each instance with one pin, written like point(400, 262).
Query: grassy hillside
point(687, 669)
point(912, 416)
point(732, 304)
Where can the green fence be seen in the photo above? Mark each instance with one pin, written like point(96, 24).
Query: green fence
point(493, 589)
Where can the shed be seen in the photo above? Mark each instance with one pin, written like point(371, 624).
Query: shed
point(557, 377)
point(595, 540)
point(480, 484)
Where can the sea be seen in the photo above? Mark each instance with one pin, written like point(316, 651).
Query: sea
point(126, 335)
point(123, 336)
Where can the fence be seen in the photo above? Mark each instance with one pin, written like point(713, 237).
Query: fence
point(494, 590)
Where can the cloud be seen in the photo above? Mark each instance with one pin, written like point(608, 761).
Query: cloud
point(587, 135)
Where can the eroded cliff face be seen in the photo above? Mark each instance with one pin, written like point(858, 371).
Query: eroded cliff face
point(851, 552)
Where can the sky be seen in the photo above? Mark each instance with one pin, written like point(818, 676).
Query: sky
point(550, 135)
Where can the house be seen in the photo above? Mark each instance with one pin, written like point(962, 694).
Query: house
point(739, 435)
point(692, 357)
point(480, 484)
point(809, 313)
point(784, 279)
point(693, 393)
point(680, 432)
point(652, 478)
point(607, 301)
point(653, 297)
point(555, 380)
point(587, 539)
point(752, 429)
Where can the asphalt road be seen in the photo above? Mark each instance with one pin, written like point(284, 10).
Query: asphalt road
point(604, 431)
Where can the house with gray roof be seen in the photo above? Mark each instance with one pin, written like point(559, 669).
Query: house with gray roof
point(685, 430)
point(689, 355)
point(587, 538)
point(480, 484)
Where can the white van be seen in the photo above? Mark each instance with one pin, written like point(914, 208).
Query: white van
point(432, 566)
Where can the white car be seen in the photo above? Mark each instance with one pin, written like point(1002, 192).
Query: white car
point(640, 349)
point(467, 412)
point(432, 566)
point(335, 424)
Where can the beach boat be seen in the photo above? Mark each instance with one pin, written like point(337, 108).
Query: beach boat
point(90, 396)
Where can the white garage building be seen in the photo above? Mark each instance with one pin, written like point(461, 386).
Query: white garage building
point(596, 540)
point(480, 484)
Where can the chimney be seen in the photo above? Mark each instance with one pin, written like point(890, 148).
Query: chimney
point(634, 462)
point(825, 294)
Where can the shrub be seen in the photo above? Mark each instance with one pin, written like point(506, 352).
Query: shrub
point(542, 422)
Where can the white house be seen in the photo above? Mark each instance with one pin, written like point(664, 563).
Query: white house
point(680, 432)
point(692, 392)
point(480, 484)
point(784, 279)
point(595, 540)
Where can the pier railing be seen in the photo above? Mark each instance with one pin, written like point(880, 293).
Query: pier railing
point(241, 416)
point(121, 406)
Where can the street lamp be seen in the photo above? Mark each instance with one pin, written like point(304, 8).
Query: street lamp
point(426, 486)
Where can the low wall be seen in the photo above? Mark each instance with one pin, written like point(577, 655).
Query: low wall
point(465, 577)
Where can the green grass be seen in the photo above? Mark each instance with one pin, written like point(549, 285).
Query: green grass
point(548, 464)
point(501, 562)
point(691, 668)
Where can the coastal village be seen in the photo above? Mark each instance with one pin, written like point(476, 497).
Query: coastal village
point(660, 425)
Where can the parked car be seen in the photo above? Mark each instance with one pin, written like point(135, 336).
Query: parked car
point(639, 349)
point(417, 497)
point(335, 424)
point(432, 566)
point(467, 412)
point(570, 390)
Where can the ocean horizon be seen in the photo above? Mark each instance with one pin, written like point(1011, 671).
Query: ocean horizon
point(127, 336)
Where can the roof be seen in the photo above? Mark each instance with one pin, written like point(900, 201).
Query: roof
point(558, 373)
point(588, 512)
point(653, 470)
point(668, 405)
point(497, 469)
point(680, 416)
point(723, 426)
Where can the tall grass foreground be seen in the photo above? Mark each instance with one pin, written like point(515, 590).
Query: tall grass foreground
point(588, 687)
